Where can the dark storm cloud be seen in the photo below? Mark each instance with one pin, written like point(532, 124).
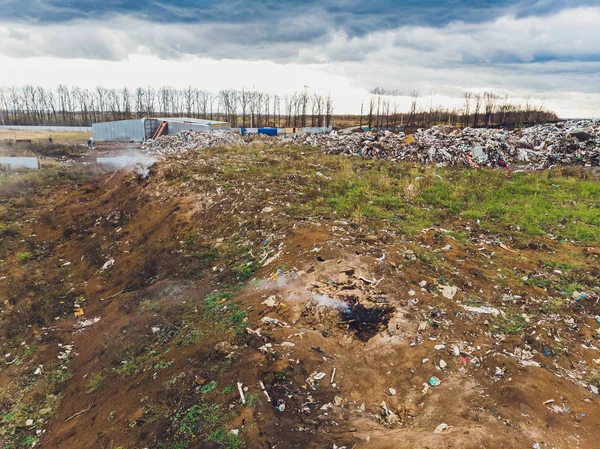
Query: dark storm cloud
point(355, 18)
point(448, 44)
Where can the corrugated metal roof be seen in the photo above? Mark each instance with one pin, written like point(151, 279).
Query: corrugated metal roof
point(196, 121)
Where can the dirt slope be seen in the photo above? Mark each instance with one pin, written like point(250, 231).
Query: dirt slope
point(190, 285)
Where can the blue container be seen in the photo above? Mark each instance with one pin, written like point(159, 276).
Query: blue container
point(268, 131)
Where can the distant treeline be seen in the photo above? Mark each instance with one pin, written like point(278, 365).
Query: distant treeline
point(485, 109)
point(63, 105)
point(74, 106)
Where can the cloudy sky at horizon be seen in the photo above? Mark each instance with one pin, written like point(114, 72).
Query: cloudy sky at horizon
point(545, 48)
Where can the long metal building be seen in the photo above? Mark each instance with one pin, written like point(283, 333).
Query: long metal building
point(140, 130)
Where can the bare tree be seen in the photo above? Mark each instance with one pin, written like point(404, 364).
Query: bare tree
point(477, 109)
point(328, 110)
point(371, 109)
point(414, 94)
point(489, 99)
point(467, 96)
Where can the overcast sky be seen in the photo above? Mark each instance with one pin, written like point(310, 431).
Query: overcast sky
point(545, 48)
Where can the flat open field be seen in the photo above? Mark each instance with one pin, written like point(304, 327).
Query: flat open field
point(62, 137)
point(351, 302)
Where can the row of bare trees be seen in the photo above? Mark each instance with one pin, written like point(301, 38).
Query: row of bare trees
point(479, 109)
point(63, 105)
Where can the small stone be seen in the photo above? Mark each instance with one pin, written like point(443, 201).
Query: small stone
point(443, 364)
point(392, 391)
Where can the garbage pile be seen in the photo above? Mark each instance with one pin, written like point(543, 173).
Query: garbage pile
point(185, 141)
point(539, 146)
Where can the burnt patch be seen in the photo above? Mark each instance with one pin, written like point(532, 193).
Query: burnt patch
point(366, 322)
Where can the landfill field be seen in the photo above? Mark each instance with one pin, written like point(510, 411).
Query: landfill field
point(272, 293)
point(574, 143)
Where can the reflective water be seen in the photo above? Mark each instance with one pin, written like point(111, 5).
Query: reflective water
point(20, 162)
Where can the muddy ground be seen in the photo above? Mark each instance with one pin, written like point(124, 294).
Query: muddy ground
point(135, 309)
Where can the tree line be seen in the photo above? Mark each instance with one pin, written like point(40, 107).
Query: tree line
point(75, 106)
point(478, 109)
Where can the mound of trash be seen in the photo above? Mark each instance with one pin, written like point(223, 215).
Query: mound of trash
point(540, 146)
point(537, 147)
point(185, 141)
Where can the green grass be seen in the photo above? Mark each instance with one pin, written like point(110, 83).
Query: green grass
point(528, 204)
point(200, 423)
point(208, 387)
point(95, 383)
point(537, 282)
point(552, 306)
point(512, 322)
point(24, 257)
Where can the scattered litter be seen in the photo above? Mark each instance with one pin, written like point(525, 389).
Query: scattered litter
point(482, 309)
point(448, 291)
point(241, 391)
point(313, 380)
point(275, 321)
point(434, 381)
point(107, 264)
point(271, 301)
point(389, 416)
point(441, 428)
point(86, 323)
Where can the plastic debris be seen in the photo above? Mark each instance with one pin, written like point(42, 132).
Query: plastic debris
point(434, 381)
point(482, 309)
point(448, 291)
point(441, 428)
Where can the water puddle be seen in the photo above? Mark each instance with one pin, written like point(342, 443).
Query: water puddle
point(20, 162)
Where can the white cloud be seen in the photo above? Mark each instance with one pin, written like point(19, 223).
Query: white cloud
point(553, 56)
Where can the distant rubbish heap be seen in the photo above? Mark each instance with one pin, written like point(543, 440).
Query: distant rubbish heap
point(185, 141)
point(539, 146)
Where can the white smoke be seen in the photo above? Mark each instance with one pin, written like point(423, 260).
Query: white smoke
point(332, 303)
point(130, 160)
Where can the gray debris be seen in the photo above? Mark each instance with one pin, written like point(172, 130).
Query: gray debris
point(535, 147)
point(185, 141)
